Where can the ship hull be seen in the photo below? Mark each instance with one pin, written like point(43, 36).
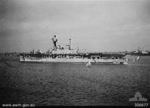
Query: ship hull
point(72, 60)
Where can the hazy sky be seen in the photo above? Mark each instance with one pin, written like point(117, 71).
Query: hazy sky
point(97, 25)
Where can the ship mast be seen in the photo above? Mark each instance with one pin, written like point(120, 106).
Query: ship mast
point(69, 44)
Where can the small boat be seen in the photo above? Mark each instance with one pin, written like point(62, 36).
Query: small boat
point(88, 64)
point(137, 58)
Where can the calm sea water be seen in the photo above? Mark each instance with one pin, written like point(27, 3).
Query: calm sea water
point(73, 83)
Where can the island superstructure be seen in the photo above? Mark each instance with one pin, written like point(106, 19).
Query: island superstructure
point(63, 55)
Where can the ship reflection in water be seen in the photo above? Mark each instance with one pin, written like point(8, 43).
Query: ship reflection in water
point(73, 83)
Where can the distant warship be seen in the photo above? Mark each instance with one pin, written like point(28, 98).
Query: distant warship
point(61, 54)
